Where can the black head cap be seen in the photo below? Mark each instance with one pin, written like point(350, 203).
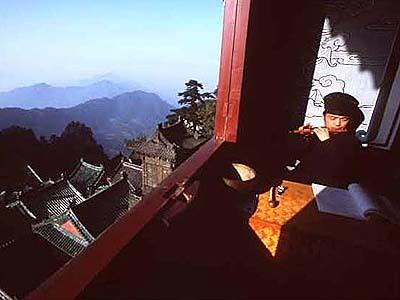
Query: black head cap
point(344, 105)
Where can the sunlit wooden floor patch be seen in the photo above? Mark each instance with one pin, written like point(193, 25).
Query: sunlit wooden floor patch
point(267, 222)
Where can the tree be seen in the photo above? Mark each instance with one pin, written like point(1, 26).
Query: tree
point(197, 109)
point(206, 114)
point(18, 147)
point(75, 142)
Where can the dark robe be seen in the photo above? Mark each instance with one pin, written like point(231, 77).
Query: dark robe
point(334, 162)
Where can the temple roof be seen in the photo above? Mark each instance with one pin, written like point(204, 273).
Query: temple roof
point(178, 134)
point(26, 262)
point(155, 146)
point(4, 296)
point(52, 200)
point(60, 237)
point(103, 208)
point(24, 246)
point(13, 224)
point(133, 172)
point(85, 176)
point(34, 179)
point(77, 228)
point(114, 164)
point(165, 142)
point(23, 210)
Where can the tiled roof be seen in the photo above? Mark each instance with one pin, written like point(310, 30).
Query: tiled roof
point(191, 143)
point(4, 296)
point(103, 208)
point(114, 163)
point(174, 133)
point(117, 163)
point(70, 217)
point(134, 174)
point(165, 142)
point(179, 135)
point(60, 237)
point(34, 177)
point(52, 200)
point(86, 176)
point(21, 207)
point(26, 262)
point(25, 258)
point(156, 146)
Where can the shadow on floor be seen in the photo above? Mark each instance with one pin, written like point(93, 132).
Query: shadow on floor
point(208, 251)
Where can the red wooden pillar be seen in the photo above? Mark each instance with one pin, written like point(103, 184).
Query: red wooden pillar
point(262, 43)
point(236, 18)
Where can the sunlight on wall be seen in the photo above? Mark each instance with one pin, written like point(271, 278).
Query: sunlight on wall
point(351, 58)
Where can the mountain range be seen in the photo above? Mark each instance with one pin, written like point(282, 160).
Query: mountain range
point(112, 120)
point(43, 95)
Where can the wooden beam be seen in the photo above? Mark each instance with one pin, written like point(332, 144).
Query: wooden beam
point(236, 18)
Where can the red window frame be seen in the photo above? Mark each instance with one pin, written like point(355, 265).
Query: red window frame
point(65, 283)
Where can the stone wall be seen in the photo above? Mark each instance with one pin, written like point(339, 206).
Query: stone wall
point(155, 170)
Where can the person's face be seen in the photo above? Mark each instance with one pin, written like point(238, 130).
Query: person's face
point(336, 123)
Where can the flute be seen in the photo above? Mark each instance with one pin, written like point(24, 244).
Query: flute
point(310, 130)
point(305, 130)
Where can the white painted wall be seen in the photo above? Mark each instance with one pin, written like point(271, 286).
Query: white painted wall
point(355, 44)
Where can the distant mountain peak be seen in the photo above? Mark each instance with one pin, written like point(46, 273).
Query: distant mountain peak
point(41, 85)
point(112, 119)
point(102, 82)
point(135, 94)
point(42, 95)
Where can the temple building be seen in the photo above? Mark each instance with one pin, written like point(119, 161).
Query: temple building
point(58, 219)
point(26, 258)
point(163, 151)
point(34, 179)
point(60, 237)
point(133, 170)
point(86, 177)
point(102, 209)
point(52, 200)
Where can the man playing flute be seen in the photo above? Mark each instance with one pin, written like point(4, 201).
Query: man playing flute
point(328, 155)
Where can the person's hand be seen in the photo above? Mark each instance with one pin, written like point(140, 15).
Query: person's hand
point(305, 127)
point(322, 133)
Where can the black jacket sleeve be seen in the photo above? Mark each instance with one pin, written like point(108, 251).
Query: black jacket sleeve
point(332, 162)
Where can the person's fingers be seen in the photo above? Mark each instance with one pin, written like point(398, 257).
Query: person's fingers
point(317, 130)
point(321, 129)
point(305, 126)
point(322, 133)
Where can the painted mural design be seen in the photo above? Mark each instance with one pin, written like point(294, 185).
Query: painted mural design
point(354, 47)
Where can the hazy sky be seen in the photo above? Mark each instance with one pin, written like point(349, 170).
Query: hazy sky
point(156, 43)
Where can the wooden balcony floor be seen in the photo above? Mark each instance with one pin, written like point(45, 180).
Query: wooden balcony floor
point(327, 255)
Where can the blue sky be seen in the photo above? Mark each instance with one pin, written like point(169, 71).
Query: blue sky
point(159, 44)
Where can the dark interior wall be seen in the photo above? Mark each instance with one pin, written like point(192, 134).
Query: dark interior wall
point(271, 104)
